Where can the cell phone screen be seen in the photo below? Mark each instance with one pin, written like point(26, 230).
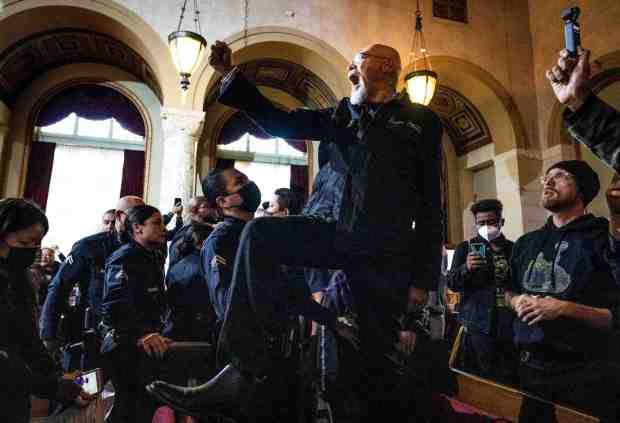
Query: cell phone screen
point(477, 248)
point(89, 382)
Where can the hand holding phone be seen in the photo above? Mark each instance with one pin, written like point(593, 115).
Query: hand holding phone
point(476, 258)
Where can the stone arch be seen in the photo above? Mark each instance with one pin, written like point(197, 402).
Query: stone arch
point(292, 68)
point(489, 97)
point(278, 43)
point(24, 18)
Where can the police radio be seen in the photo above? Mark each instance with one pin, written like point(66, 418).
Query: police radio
point(572, 30)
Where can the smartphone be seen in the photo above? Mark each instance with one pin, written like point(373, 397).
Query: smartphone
point(178, 202)
point(478, 249)
point(572, 30)
point(91, 381)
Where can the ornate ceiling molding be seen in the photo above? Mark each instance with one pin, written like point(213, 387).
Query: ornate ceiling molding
point(463, 122)
point(289, 77)
point(31, 57)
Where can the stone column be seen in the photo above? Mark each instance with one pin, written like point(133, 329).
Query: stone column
point(182, 129)
point(517, 176)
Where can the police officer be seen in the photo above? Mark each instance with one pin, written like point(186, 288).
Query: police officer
point(199, 212)
point(85, 267)
point(190, 316)
point(133, 308)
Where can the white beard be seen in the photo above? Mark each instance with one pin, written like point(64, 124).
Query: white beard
point(359, 95)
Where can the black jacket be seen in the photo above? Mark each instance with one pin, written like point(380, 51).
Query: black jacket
point(478, 308)
point(390, 161)
point(133, 296)
point(191, 316)
point(597, 126)
point(566, 263)
point(84, 266)
point(19, 340)
point(326, 198)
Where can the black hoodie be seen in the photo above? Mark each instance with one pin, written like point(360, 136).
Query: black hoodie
point(566, 263)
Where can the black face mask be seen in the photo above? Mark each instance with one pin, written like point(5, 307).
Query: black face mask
point(21, 258)
point(250, 194)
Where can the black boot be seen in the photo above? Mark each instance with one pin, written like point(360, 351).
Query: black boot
point(224, 391)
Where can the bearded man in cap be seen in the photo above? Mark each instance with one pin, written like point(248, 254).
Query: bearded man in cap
point(566, 299)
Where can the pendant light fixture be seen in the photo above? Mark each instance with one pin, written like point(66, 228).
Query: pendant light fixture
point(187, 47)
point(421, 83)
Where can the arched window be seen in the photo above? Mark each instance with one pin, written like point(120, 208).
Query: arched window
point(88, 149)
point(270, 162)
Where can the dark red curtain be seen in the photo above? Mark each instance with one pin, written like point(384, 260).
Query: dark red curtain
point(40, 166)
point(240, 124)
point(299, 180)
point(94, 102)
point(133, 174)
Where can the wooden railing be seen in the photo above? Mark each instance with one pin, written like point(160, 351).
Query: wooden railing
point(504, 401)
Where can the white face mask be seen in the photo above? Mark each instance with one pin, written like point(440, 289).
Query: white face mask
point(489, 232)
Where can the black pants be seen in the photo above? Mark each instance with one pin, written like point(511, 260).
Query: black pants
point(131, 370)
point(593, 387)
point(491, 358)
point(257, 307)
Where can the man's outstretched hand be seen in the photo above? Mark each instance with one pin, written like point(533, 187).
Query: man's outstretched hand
point(221, 57)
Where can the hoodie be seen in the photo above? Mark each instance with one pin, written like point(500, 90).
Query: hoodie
point(566, 263)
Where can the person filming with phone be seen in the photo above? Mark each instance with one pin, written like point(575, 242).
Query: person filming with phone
point(479, 273)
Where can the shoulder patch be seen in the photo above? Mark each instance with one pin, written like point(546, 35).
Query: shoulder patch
point(69, 259)
point(121, 274)
point(218, 260)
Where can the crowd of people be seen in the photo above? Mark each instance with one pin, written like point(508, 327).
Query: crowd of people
point(198, 319)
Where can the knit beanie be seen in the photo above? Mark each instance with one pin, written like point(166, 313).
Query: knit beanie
point(585, 177)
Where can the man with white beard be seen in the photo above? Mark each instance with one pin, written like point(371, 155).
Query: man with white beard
point(388, 151)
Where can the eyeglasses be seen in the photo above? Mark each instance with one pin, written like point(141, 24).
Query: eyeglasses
point(361, 56)
point(556, 177)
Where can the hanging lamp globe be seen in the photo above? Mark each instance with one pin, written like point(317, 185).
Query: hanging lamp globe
point(187, 49)
point(421, 85)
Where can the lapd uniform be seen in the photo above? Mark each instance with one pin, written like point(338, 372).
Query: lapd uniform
point(218, 257)
point(133, 306)
point(84, 266)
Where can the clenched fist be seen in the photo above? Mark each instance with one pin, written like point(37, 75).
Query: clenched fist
point(221, 57)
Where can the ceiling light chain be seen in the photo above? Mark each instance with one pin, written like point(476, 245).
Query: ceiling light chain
point(246, 12)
